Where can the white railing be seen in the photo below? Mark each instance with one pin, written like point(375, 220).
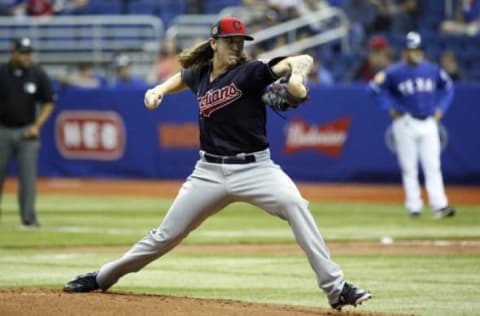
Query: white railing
point(191, 28)
point(95, 38)
point(69, 40)
point(330, 24)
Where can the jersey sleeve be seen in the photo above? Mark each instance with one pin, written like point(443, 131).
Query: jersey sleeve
point(446, 90)
point(261, 73)
point(378, 88)
point(46, 93)
point(191, 77)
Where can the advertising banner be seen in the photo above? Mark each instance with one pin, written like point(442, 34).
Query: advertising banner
point(340, 134)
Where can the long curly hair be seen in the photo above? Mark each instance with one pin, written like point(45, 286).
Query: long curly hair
point(201, 54)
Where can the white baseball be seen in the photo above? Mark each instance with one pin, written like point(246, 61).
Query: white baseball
point(153, 99)
point(386, 240)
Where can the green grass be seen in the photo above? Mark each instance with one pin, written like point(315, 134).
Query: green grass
point(421, 284)
point(69, 221)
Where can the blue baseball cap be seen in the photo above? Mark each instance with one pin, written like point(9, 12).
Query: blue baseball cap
point(413, 40)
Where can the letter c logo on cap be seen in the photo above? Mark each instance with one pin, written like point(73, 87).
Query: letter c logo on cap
point(237, 25)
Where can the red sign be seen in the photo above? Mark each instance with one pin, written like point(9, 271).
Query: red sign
point(95, 135)
point(327, 138)
point(179, 136)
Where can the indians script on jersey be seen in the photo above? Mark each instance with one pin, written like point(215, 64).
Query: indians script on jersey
point(218, 98)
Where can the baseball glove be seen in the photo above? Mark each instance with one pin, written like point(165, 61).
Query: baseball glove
point(278, 97)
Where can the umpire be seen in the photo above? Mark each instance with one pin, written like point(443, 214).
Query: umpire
point(26, 102)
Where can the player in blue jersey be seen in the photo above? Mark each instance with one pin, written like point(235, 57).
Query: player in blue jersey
point(416, 94)
point(234, 163)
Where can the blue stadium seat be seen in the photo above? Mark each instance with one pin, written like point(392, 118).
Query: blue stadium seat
point(434, 44)
point(432, 13)
point(343, 64)
point(472, 45)
point(431, 8)
point(396, 40)
point(325, 52)
point(144, 7)
point(104, 7)
point(455, 43)
point(473, 75)
point(339, 72)
point(214, 7)
point(433, 53)
point(429, 23)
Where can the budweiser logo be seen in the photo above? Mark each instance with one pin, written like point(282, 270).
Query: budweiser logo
point(328, 138)
point(218, 98)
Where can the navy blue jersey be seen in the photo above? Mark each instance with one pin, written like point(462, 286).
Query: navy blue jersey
point(418, 90)
point(232, 116)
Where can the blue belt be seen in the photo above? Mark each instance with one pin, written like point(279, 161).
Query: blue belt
point(229, 159)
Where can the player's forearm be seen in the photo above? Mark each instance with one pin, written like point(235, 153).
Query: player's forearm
point(298, 67)
point(33, 132)
point(45, 113)
point(438, 114)
point(154, 96)
point(173, 84)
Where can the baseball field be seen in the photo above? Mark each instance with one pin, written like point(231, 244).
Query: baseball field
point(241, 261)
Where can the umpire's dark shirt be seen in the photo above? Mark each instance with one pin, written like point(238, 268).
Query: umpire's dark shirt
point(20, 91)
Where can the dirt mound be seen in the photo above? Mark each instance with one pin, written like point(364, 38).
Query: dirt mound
point(55, 303)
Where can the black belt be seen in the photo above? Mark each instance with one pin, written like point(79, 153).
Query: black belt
point(229, 160)
point(420, 117)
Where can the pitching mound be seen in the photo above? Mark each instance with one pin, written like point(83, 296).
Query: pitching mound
point(55, 303)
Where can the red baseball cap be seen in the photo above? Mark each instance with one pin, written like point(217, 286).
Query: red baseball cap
point(228, 27)
point(377, 42)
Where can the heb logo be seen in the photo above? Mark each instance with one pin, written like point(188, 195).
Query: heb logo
point(328, 138)
point(96, 135)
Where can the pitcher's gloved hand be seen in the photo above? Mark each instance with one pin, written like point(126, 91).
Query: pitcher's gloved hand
point(278, 97)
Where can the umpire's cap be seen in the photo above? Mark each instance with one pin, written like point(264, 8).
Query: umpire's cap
point(23, 45)
point(413, 40)
point(228, 27)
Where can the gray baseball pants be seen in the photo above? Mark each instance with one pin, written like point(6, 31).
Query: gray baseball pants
point(210, 188)
point(14, 144)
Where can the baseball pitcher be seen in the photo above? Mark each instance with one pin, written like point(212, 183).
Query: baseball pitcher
point(234, 162)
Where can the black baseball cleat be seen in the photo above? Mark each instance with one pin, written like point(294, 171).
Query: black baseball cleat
point(351, 296)
point(415, 214)
point(82, 283)
point(30, 224)
point(446, 211)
